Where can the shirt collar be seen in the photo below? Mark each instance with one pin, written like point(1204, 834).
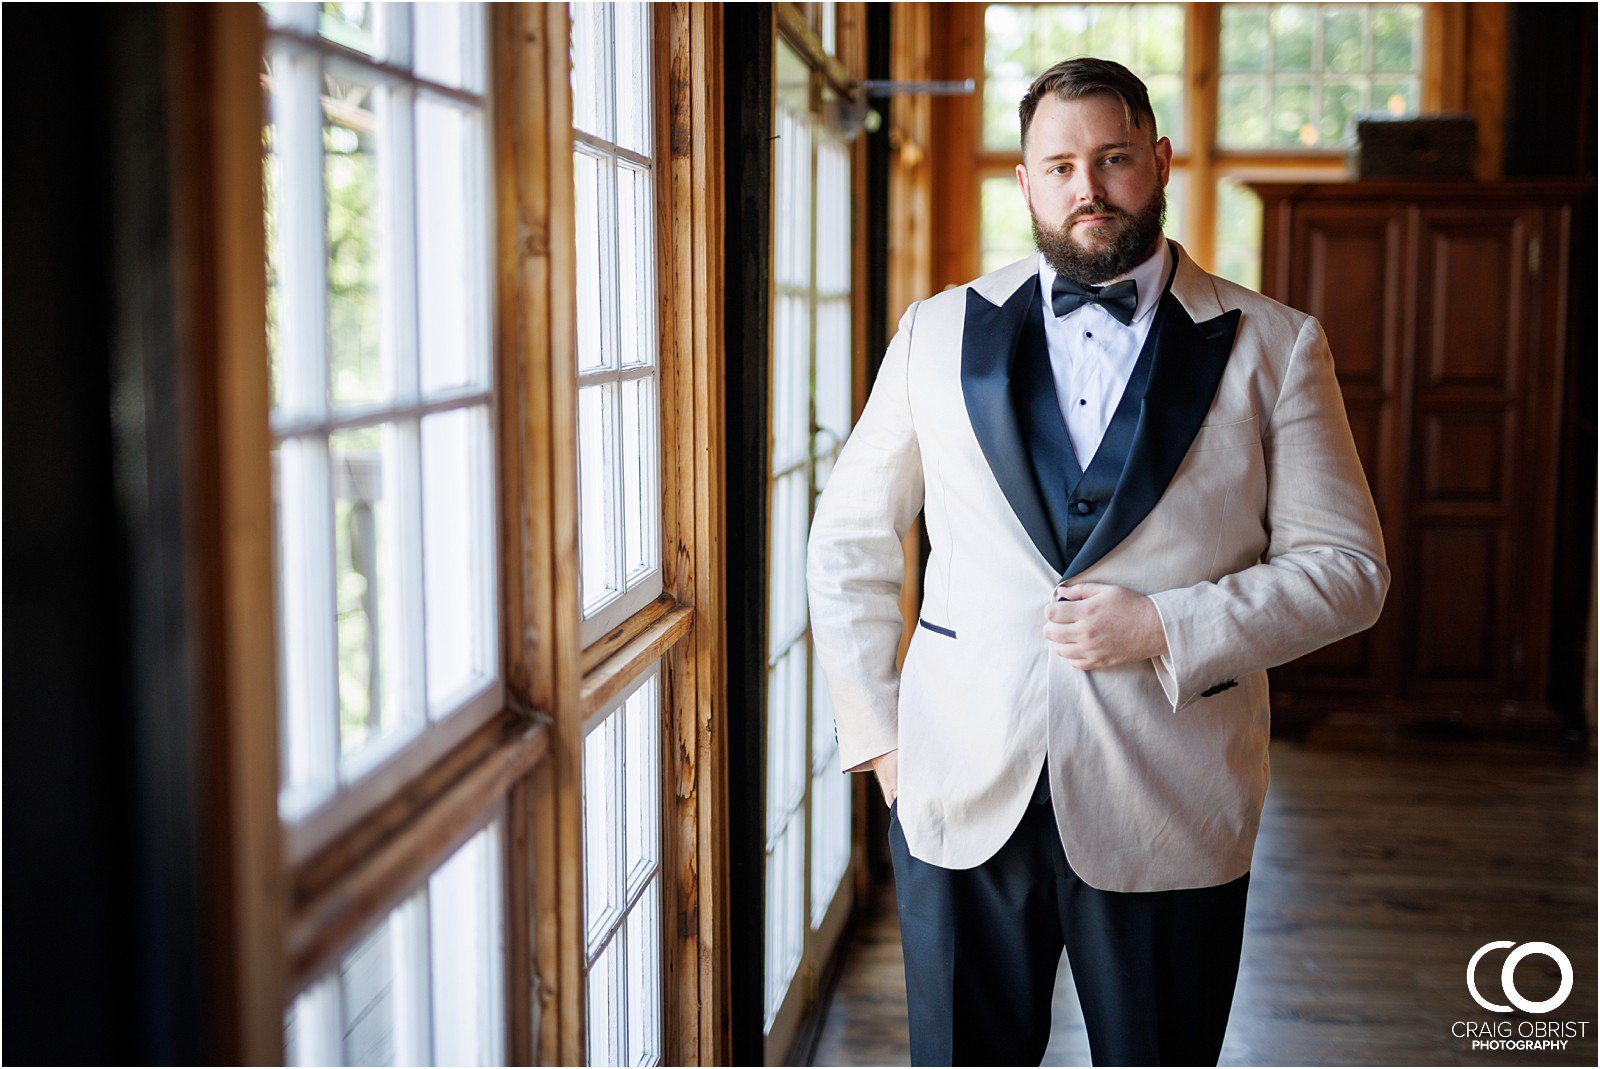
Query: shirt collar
point(1151, 276)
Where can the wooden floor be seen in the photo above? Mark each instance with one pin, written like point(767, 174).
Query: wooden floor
point(1383, 863)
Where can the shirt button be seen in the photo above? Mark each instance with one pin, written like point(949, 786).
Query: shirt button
point(1083, 400)
point(1084, 508)
point(1088, 334)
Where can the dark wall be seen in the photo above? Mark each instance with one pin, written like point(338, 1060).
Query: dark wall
point(1550, 133)
point(102, 960)
point(1550, 92)
point(747, 111)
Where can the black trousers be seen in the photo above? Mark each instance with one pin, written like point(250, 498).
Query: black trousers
point(1155, 970)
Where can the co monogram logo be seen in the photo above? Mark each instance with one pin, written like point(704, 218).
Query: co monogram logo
point(1508, 979)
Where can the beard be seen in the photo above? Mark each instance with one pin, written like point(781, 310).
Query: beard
point(1133, 235)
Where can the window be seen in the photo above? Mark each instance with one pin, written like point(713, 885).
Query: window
point(424, 987)
point(622, 886)
point(1291, 78)
point(422, 714)
point(808, 797)
point(377, 200)
point(618, 440)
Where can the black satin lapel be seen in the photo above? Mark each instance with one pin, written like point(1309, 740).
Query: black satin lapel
point(988, 350)
point(1187, 368)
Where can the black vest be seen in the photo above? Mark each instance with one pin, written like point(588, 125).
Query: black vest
point(1074, 499)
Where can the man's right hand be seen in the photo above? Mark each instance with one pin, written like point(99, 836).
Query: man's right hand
point(887, 769)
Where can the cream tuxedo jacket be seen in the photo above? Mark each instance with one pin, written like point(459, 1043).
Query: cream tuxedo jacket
point(1242, 511)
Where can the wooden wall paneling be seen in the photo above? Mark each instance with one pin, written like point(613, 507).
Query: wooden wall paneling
point(956, 123)
point(223, 287)
point(523, 259)
point(536, 327)
point(1486, 64)
point(689, 219)
point(1203, 24)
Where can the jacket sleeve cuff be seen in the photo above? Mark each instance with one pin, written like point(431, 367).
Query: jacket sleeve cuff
point(1167, 664)
point(857, 755)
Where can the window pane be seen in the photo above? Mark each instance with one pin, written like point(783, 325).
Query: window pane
point(591, 179)
point(1006, 229)
point(367, 539)
point(356, 367)
point(458, 555)
point(1292, 37)
point(465, 952)
point(786, 921)
point(601, 878)
point(644, 978)
point(1396, 37)
point(639, 484)
point(641, 718)
point(1245, 39)
point(1343, 43)
point(1238, 233)
point(597, 477)
point(448, 44)
point(453, 309)
point(591, 63)
point(621, 789)
point(424, 986)
point(635, 258)
point(633, 91)
point(1291, 115)
point(606, 1007)
point(309, 696)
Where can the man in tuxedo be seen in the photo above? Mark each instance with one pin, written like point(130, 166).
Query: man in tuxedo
point(1141, 492)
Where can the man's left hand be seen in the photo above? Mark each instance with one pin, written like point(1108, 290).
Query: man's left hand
point(1101, 626)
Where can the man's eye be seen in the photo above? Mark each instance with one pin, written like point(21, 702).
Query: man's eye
point(1115, 159)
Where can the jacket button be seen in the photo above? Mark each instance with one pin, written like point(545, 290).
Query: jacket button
point(1084, 508)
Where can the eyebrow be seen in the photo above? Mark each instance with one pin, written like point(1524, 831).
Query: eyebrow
point(1103, 148)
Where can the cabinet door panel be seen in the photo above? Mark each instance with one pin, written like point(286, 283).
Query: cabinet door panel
point(1346, 267)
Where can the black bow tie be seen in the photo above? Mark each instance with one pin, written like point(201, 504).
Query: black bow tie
point(1120, 298)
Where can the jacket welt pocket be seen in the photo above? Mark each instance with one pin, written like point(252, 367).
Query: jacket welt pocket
point(936, 629)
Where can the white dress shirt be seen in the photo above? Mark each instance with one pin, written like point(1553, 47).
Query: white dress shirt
point(1092, 355)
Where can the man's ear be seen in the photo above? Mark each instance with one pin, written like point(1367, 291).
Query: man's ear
point(1022, 180)
point(1164, 160)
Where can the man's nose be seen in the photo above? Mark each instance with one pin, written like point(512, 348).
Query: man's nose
point(1085, 187)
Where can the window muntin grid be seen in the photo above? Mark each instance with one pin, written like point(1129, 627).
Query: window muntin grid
point(1022, 40)
point(622, 876)
point(376, 177)
point(808, 800)
point(425, 986)
point(1294, 75)
point(619, 438)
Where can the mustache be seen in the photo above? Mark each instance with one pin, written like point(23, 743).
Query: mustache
point(1096, 209)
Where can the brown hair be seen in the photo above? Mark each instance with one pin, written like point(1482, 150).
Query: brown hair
point(1084, 76)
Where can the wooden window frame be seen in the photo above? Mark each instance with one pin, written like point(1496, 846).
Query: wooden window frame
point(289, 917)
point(1464, 58)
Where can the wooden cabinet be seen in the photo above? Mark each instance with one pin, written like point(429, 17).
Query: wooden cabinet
point(1446, 306)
